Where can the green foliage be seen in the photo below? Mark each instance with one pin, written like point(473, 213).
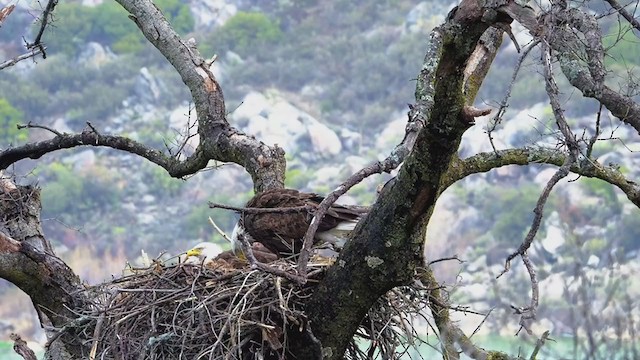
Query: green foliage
point(74, 194)
point(622, 45)
point(109, 25)
point(247, 31)
point(596, 246)
point(627, 231)
point(178, 15)
point(603, 190)
point(508, 227)
point(60, 194)
point(160, 182)
point(54, 88)
point(9, 118)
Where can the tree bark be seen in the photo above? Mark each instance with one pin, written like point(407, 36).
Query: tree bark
point(31, 265)
point(388, 245)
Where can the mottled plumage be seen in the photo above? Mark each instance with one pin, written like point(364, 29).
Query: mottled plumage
point(282, 233)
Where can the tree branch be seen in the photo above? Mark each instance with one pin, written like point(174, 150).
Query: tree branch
point(622, 11)
point(484, 162)
point(218, 140)
point(26, 260)
point(17, 59)
point(577, 39)
point(46, 15)
point(90, 138)
point(387, 245)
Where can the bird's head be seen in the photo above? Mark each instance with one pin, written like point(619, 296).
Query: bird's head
point(205, 251)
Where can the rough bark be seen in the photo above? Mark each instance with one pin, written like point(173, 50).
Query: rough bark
point(30, 264)
point(387, 246)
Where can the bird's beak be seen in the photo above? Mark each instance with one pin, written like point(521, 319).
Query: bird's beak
point(193, 252)
point(241, 255)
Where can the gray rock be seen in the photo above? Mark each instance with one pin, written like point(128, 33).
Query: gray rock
point(95, 55)
point(147, 87)
point(81, 160)
point(209, 14)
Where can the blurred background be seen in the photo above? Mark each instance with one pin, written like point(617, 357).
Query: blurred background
point(328, 81)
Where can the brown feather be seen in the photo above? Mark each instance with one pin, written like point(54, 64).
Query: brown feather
point(283, 232)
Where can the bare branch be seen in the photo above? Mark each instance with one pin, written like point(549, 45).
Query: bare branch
point(90, 138)
point(450, 334)
point(36, 126)
point(539, 344)
point(282, 210)
point(387, 165)
point(218, 140)
point(622, 11)
point(504, 104)
point(484, 162)
point(17, 59)
point(594, 138)
point(44, 21)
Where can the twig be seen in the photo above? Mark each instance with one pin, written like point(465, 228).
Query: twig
point(539, 343)
point(454, 257)
point(594, 138)
point(481, 323)
point(215, 226)
point(283, 210)
point(255, 264)
point(31, 125)
point(630, 18)
point(504, 104)
point(96, 337)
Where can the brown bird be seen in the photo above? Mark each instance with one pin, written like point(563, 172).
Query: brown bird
point(282, 232)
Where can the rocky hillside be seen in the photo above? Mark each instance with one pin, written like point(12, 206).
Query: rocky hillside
point(326, 81)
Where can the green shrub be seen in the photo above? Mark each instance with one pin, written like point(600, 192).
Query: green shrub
point(246, 31)
point(622, 45)
point(160, 182)
point(178, 15)
point(108, 24)
point(10, 117)
point(68, 192)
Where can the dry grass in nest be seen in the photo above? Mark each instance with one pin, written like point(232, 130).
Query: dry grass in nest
point(193, 312)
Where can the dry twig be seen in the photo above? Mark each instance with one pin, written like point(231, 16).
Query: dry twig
point(194, 312)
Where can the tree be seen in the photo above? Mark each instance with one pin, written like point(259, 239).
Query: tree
point(386, 249)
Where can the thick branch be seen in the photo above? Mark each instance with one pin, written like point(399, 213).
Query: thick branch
point(27, 261)
point(218, 140)
point(90, 138)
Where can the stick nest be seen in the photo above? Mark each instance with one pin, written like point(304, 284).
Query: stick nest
point(190, 311)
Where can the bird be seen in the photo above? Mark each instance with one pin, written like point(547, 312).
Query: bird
point(202, 253)
point(282, 232)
